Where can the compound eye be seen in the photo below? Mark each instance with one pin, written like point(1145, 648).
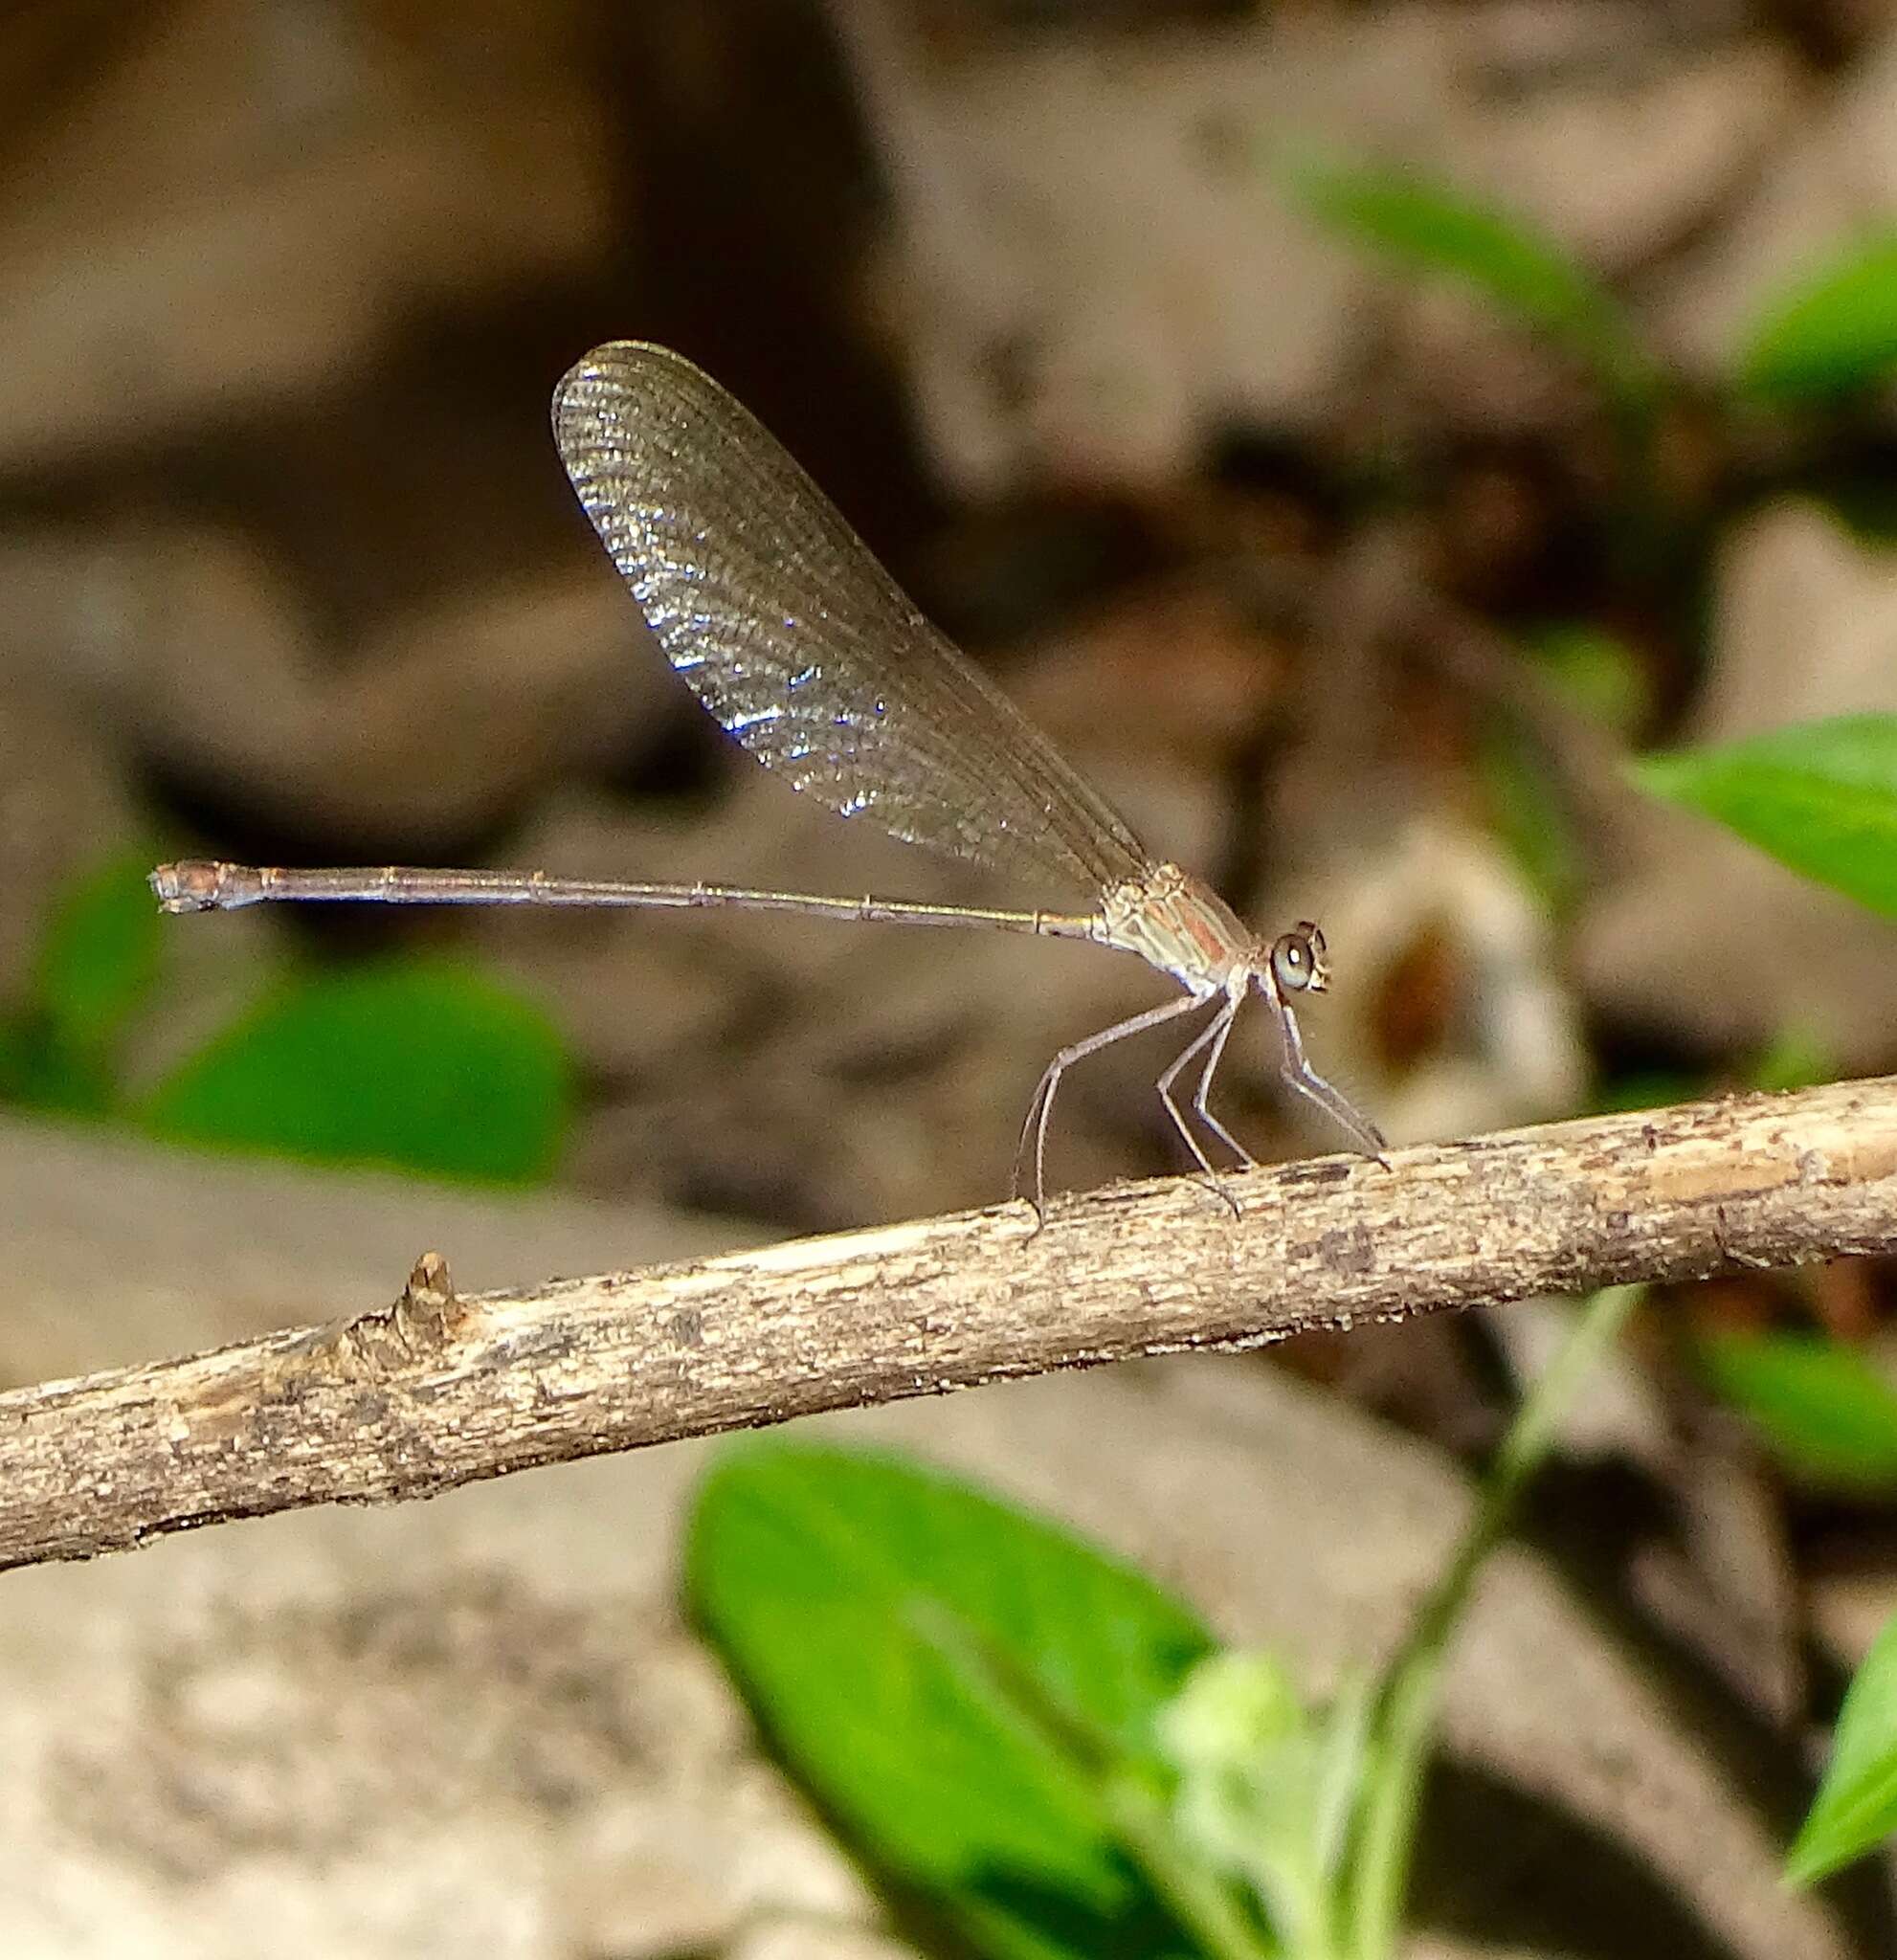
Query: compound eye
point(1297, 960)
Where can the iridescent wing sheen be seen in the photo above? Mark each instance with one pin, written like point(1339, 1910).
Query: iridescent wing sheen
point(797, 639)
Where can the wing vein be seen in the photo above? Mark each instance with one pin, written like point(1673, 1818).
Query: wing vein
point(798, 641)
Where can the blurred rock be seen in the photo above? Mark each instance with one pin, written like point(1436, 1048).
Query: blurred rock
point(1699, 934)
point(1174, 678)
point(1615, 1410)
point(224, 1247)
point(1833, 178)
point(1095, 265)
point(240, 200)
point(1851, 1609)
point(1805, 621)
point(1717, 1573)
point(1445, 998)
point(479, 1723)
point(193, 645)
point(1623, 143)
point(816, 1940)
point(1723, 1581)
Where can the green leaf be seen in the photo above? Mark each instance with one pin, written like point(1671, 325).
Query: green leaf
point(1856, 1806)
point(98, 957)
point(1266, 1790)
point(418, 1066)
point(24, 1063)
point(1529, 815)
point(40, 1074)
point(825, 1580)
point(1437, 230)
point(1795, 1058)
point(1822, 1408)
point(1646, 1089)
point(1596, 672)
point(1821, 796)
point(1833, 333)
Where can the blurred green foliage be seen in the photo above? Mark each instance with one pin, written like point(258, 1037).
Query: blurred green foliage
point(99, 956)
point(1596, 674)
point(1529, 815)
point(418, 1066)
point(95, 964)
point(414, 1065)
point(1044, 1745)
point(1268, 1788)
point(1821, 798)
point(1856, 1805)
point(1826, 1413)
point(1435, 229)
point(1794, 1059)
point(1831, 334)
point(857, 1601)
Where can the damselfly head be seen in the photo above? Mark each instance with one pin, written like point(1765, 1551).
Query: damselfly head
point(1298, 961)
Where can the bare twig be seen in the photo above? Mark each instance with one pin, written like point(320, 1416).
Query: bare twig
point(438, 1391)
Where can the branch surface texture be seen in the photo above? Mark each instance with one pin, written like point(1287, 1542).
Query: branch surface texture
point(438, 1391)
